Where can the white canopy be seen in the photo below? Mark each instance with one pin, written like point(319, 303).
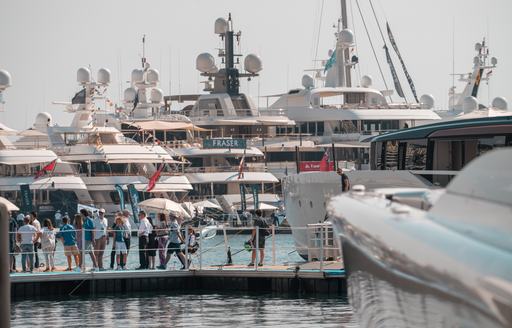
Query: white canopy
point(59, 182)
point(262, 206)
point(224, 177)
point(26, 156)
point(121, 153)
point(207, 204)
point(165, 125)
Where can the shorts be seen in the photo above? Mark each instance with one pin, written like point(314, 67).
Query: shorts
point(88, 248)
point(121, 247)
point(71, 250)
point(173, 248)
point(261, 242)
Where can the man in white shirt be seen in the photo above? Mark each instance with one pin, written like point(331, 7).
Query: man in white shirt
point(37, 244)
point(126, 222)
point(27, 235)
point(145, 228)
point(100, 235)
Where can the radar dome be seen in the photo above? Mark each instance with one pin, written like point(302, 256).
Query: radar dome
point(307, 81)
point(156, 95)
point(252, 63)
point(205, 63)
point(5, 79)
point(137, 75)
point(153, 76)
point(141, 95)
point(129, 94)
point(43, 120)
point(427, 101)
point(346, 37)
point(221, 26)
point(478, 46)
point(469, 104)
point(366, 81)
point(500, 103)
point(104, 76)
point(83, 75)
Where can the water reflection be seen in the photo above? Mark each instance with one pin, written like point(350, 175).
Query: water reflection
point(176, 310)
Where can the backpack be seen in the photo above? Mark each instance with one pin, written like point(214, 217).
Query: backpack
point(264, 227)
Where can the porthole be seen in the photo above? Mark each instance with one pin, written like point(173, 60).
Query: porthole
point(311, 203)
point(300, 204)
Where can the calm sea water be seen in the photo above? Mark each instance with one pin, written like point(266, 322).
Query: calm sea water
point(179, 310)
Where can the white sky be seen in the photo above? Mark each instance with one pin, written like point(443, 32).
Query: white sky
point(44, 42)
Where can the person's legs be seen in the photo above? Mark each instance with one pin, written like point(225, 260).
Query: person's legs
point(36, 245)
point(262, 256)
point(181, 257)
point(253, 256)
point(113, 256)
point(31, 261)
point(143, 255)
point(23, 258)
point(46, 259)
point(162, 242)
point(101, 243)
point(68, 257)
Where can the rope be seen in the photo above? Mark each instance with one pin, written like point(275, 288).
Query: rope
point(358, 68)
point(318, 35)
point(373, 49)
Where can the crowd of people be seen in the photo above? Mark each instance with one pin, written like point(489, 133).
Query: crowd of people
point(89, 235)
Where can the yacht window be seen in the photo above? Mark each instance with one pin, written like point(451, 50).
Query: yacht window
point(355, 98)
point(209, 104)
point(416, 155)
point(391, 156)
point(239, 102)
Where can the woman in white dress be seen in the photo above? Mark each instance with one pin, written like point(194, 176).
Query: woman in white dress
point(48, 244)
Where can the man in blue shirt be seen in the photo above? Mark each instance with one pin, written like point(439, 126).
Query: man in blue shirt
point(68, 234)
point(89, 240)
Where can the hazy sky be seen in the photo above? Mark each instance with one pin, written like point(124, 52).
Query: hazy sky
point(44, 42)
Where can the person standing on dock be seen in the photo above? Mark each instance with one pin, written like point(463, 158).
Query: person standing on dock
point(35, 222)
point(101, 225)
point(145, 229)
point(13, 227)
point(68, 234)
point(174, 246)
point(27, 236)
point(162, 229)
point(48, 244)
point(120, 231)
point(262, 226)
point(89, 238)
point(127, 224)
point(345, 182)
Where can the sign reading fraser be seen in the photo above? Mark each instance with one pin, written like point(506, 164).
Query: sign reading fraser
point(224, 143)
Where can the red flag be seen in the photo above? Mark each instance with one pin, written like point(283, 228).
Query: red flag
point(324, 163)
point(154, 178)
point(47, 168)
point(241, 168)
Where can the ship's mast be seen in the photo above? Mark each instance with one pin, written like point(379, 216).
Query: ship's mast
point(346, 54)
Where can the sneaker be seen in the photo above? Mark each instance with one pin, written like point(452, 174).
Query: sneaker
point(124, 268)
point(260, 264)
point(161, 267)
point(118, 269)
point(250, 264)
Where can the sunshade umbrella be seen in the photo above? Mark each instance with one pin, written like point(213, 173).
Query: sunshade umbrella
point(10, 206)
point(164, 205)
point(207, 204)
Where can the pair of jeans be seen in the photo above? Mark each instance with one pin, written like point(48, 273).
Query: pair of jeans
point(162, 243)
point(27, 253)
point(143, 254)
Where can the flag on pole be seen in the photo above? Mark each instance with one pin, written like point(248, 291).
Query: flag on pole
point(154, 178)
point(324, 163)
point(241, 168)
point(46, 169)
point(330, 62)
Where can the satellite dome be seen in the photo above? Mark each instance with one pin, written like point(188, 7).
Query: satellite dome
point(137, 75)
point(156, 95)
point(205, 63)
point(104, 76)
point(478, 46)
point(252, 63)
point(494, 61)
point(346, 37)
point(469, 104)
point(366, 81)
point(43, 120)
point(83, 75)
point(307, 81)
point(153, 76)
point(500, 103)
point(141, 94)
point(427, 101)
point(5, 79)
point(221, 26)
point(129, 94)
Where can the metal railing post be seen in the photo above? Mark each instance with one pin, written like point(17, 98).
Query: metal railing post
point(83, 249)
point(200, 248)
point(186, 248)
point(322, 230)
point(257, 248)
point(273, 245)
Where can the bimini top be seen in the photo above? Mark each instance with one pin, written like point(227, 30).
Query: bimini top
point(476, 126)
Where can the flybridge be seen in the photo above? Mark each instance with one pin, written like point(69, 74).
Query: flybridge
point(224, 143)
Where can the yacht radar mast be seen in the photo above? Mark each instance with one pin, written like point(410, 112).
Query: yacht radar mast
point(227, 79)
